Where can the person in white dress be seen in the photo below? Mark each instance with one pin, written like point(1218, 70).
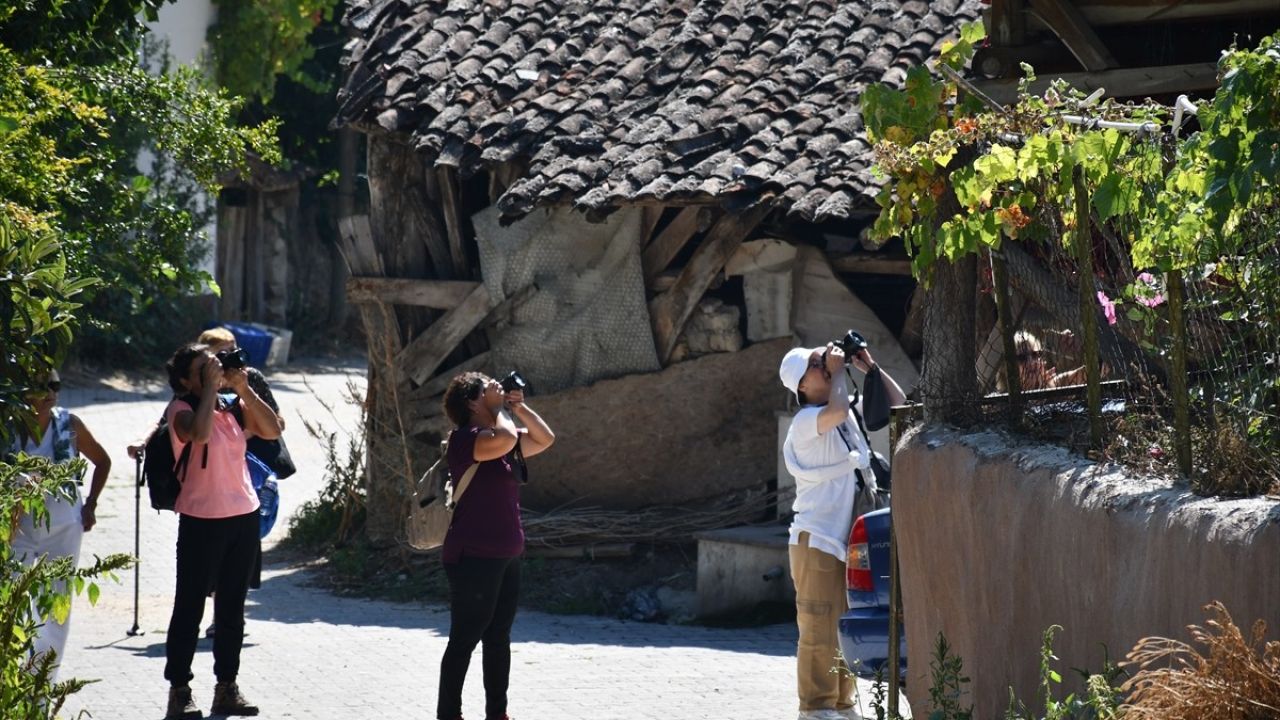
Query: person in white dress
point(62, 438)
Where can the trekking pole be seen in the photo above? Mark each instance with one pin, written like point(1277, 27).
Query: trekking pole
point(137, 534)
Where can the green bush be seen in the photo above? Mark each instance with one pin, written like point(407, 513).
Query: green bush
point(40, 593)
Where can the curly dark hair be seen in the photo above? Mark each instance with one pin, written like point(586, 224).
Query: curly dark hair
point(463, 389)
point(180, 365)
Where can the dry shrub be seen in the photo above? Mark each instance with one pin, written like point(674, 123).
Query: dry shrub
point(1234, 678)
point(1231, 466)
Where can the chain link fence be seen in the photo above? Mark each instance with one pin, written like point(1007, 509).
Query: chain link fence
point(1175, 374)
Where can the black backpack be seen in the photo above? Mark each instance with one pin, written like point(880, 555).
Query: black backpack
point(161, 471)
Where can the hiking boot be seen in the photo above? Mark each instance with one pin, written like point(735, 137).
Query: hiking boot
point(181, 705)
point(227, 700)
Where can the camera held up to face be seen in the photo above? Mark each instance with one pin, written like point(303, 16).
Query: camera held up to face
point(233, 359)
point(513, 381)
point(851, 344)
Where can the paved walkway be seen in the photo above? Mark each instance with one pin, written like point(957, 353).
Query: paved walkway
point(310, 654)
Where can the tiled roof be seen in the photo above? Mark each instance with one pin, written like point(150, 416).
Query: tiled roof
point(618, 101)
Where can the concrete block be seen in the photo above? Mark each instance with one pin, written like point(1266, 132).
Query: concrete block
point(768, 300)
point(741, 567)
point(786, 481)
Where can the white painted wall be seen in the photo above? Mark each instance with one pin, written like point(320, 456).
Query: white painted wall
point(183, 26)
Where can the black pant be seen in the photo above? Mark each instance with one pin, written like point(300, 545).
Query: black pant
point(213, 555)
point(482, 606)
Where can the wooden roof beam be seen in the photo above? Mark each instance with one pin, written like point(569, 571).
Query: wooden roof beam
point(438, 294)
point(421, 358)
point(1069, 24)
point(870, 263)
point(663, 249)
point(1120, 83)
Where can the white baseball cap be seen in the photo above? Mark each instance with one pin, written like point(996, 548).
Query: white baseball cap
point(794, 365)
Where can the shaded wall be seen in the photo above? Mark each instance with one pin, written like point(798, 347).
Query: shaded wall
point(698, 430)
point(1000, 540)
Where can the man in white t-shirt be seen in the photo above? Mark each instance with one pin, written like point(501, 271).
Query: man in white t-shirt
point(823, 450)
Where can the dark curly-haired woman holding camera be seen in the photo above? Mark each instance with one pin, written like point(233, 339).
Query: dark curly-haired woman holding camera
point(485, 540)
point(218, 521)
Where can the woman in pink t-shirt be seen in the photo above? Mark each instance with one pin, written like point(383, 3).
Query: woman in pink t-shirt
point(218, 521)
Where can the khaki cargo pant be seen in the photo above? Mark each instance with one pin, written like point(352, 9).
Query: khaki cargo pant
point(820, 601)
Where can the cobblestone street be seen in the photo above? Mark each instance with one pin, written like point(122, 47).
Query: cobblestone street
point(311, 654)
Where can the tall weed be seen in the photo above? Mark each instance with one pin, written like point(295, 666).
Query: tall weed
point(1230, 677)
point(338, 513)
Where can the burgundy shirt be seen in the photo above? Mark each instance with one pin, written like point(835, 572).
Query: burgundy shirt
point(486, 522)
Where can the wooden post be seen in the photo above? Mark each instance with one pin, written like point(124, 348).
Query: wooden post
point(1088, 309)
point(348, 154)
point(451, 204)
point(1178, 371)
point(1004, 309)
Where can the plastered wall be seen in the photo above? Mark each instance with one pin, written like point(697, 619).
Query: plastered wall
point(998, 540)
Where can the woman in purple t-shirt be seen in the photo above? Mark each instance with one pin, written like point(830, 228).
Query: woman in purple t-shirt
point(482, 549)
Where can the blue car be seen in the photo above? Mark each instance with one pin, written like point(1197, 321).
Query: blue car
point(864, 629)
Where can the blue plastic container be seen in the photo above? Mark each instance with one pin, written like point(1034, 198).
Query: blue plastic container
point(257, 343)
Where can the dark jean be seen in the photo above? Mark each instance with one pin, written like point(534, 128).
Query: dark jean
point(482, 606)
point(213, 555)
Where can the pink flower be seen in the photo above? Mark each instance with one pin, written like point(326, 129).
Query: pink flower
point(1108, 307)
point(1147, 292)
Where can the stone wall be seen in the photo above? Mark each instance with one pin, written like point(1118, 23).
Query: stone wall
point(999, 540)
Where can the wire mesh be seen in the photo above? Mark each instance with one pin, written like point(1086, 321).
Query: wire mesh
point(1231, 346)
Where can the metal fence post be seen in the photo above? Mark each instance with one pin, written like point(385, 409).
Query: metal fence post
point(1178, 370)
point(1088, 308)
point(897, 417)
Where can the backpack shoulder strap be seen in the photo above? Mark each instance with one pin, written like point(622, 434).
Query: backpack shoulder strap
point(180, 465)
point(463, 482)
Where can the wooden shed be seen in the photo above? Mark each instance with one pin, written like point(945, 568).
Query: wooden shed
point(610, 181)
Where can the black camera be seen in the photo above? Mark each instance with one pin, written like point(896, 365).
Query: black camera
point(851, 344)
point(514, 381)
point(236, 359)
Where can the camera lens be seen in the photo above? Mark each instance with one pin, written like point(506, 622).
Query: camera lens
point(236, 359)
point(513, 381)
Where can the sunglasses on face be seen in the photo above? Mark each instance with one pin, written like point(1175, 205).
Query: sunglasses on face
point(54, 385)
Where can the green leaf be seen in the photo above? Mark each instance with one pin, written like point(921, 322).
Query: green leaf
point(140, 184)
point(94, 592)
point(1115, 196)
point(974, 32)
point(7, 124)
point(61, 608)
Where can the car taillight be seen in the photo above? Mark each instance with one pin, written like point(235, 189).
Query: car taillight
point(858, 567)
